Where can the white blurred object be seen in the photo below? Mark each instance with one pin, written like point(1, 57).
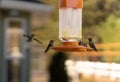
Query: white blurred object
point(115, 71)
point(72, 72)
point(87, 68)
point(16, 53)
point(102, 69)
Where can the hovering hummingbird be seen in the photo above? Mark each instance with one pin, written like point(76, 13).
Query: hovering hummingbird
point(50, 44)
point(91, 44)
point(30, 38)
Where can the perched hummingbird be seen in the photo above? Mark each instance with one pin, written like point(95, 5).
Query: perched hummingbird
point(91, 44)
point(83, 43)
point(30, 38)
point(50, 44)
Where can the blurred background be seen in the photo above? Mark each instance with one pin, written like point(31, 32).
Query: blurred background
point(22, 61)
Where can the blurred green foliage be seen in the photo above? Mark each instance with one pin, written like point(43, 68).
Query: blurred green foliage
point(110, 29)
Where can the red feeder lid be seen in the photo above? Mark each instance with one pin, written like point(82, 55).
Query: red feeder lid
point(71, 3)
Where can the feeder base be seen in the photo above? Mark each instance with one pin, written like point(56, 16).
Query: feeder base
point(71, 47)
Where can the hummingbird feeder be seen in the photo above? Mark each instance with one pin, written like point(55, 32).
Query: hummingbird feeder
point(70, 26)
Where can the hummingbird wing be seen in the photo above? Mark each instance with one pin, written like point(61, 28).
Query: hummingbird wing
point(38, 41)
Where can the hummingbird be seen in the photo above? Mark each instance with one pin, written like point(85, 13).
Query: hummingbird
point(50, 44)
point(83, 43)
point(91, 44)
point(30, 38)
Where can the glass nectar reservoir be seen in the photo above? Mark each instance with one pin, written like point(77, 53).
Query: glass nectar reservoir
point(70, 20)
